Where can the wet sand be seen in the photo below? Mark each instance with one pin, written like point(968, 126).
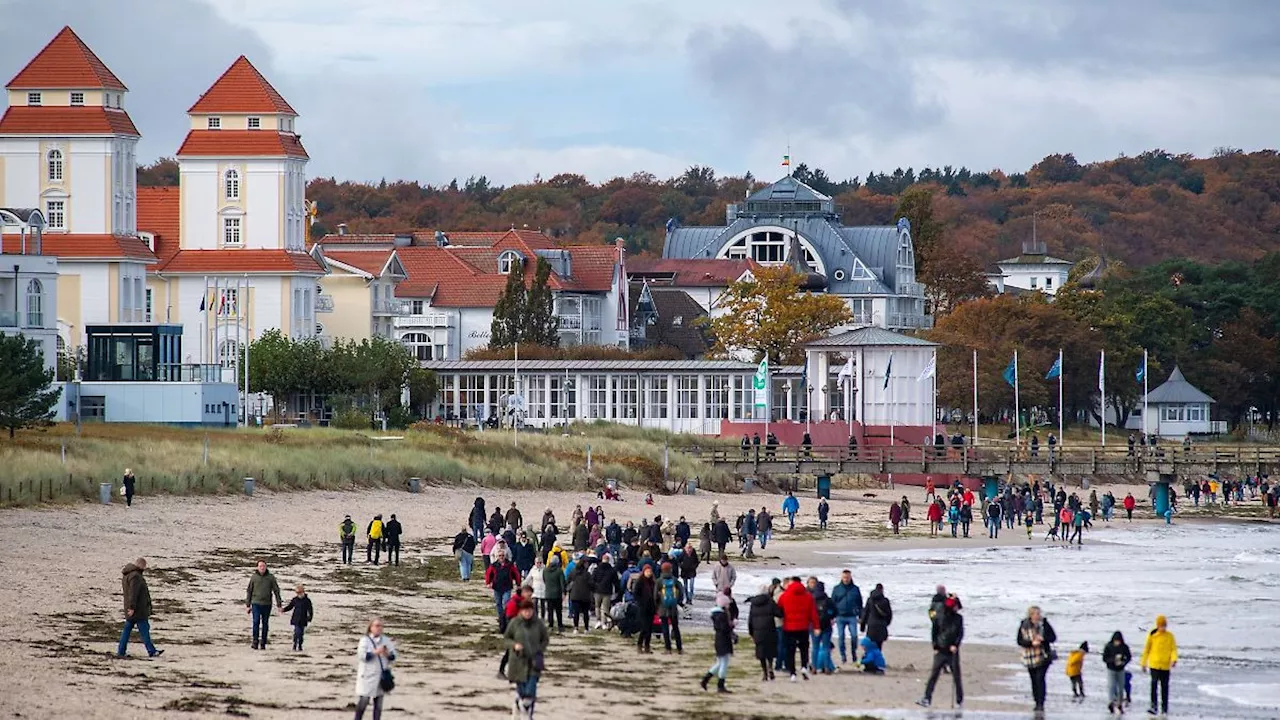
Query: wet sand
point(61, 594)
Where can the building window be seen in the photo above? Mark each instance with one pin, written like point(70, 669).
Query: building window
point(656, 388)
point(626, 397)
point(507, 259)
point(417, 307)
point(227, 302)
point(687, 404)
point(419, 345)
point(215, 123)
point(55, 166)
point(231, 231)
point(536, 406)
point(147, 312)
point(717, 395)
point(1035, 283)
point(77, 98)
point(55, 214)
point(1048, 283)
point(228, 354)
point(33, 98)
point(1195, 413)
point(35, 304)
point(598, 397)
point(255, 123)
point(232, 184)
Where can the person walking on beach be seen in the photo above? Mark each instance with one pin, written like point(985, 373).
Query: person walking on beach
point(688, 564)
point(722, 535)
point(946, 650)
point(762, 615)
point(502, 578)
point(477, 519)
point(895, 516)
point(1036, 638)
point(553, 581)
point(1116, 657)
point(934, 514)
point(824, 512)
point(791, 506)
point(877, 614)
point(645, 594)
point(526, 638)
point(464, 549)
point(764, 527)
point(347, 534)
point(846, 597)
point(1129, 505)
point(723, 575)
point(130, 485)
point(993, 520)
point(257, 602)
point(671, 600)
point(1075, 669)
point(303, 612)
point(137, 608)
point(799, 618)
point(373, 548)
point(374, 656)
point(722, 623)
point(1159, 657)
point(391, 532)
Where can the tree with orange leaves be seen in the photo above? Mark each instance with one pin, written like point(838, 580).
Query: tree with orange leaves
point(770, 316)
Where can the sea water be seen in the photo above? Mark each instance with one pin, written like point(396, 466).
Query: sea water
point(1219, 585)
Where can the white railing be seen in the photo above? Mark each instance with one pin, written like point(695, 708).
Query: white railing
point(390, 307)
point(916, 322)
point(430, 320)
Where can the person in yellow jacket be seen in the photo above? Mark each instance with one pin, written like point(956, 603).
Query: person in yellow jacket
point(557, 551)
point(373, 551)
point(1160, 655)
point(1075, 669)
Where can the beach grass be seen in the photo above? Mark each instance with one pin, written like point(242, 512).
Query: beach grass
point(60, 464)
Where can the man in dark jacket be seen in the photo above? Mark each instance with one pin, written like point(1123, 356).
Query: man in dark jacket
point(689, 571)
point(257, 602)
point(137, 608)
point(877, 614)
point(581, 536)
point(477, 519)
point(502, 577)
point(946, 650)
point(683, 532)
point(464, 549)
point(392, 533)
point(847, 598)
point(347, 533)
point(513, 517)
point(764, 527)
point(762, 624)
point(604, 587)
point(748, 532)
point(613, 537)
point(721, 535)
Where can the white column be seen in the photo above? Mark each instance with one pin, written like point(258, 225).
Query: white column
point(790, 400)
point(703, 405)
point(671, 402)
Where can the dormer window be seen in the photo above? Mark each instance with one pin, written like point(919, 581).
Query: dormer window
point(33, 98)
point(255, 123)
point(215, 123)
point(507, 259)
point(77, 99)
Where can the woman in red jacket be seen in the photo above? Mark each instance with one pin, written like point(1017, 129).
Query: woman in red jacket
point(935, 518)
point(1129, 505)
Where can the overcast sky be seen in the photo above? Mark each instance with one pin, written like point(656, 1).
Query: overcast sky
point(434, 89)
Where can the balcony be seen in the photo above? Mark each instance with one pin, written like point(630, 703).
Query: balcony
point(862, 319)
point(910, 322)
point(426, 320)
point(390, 308)
point(324, 303)
point(570, 322)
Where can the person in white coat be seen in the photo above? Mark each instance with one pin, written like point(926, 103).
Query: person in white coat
point(376, 653)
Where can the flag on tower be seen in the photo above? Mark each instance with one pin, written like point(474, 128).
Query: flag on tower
point(786, 161)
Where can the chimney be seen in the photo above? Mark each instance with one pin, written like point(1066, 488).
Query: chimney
point(342, 228)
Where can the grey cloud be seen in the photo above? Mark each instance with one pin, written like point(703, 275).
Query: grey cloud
point(816, 82)
point(166, 52)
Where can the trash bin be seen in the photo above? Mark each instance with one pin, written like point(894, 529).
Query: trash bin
point(824, 486)
point(691, 486)
point(415, 485)
point(1084, 483)
point(104, 493)
point(248, 486)
point(748, 484)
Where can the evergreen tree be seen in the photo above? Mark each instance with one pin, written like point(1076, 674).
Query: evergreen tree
point(541, 326)
point(509, 312)
point(26, 399)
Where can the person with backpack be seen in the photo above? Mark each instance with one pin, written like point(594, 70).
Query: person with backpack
point(579, 586)
point(946, 649)
point(821, 661)
point(373, 533)
point(476, 521)
point(877, 615)
point(347, 535)
point(846, 597)
point(1036, 637)
point(671, 599)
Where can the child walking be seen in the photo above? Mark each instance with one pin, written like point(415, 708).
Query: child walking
point(1075, 669)
point(1116, 656)
point(1029, 520)
point(300, 604)
point(723, 625)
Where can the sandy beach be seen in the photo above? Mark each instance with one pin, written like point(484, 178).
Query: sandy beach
point(61, 594)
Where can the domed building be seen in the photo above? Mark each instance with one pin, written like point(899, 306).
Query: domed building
point(788, 222)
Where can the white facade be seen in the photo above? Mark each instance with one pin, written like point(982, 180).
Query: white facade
point(233, 203)
point(172, 403)
point(84, 185)
point(907, 398)
point(29, 300)
point(1047, 278)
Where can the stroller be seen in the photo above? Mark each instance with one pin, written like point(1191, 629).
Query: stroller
point(626, 617)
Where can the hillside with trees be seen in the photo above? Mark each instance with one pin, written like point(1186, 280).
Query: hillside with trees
point(1139, 210)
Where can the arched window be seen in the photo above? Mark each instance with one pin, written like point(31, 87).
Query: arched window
point(55, 166)
point(507, 259)
point(232, 178)
point(767, 247)
point(418, 344)
point(35, 304)
point(229, 354)
point(62, 345)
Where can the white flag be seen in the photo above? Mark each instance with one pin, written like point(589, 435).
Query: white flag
point(931, 369)
point(846, 372)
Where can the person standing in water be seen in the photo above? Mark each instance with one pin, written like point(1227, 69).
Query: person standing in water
point(1036, 638)
point(1116, 657)
point(1159, 656)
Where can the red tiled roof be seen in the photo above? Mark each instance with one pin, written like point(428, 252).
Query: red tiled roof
point(46, 120)
point(357, 239)
point(66, 62)
point(370, 261)
point(489, 238)
point(696, 272)
point(158, 214)
point(84, 245)
point(592, 267)
point(241, 143)
point(282, 262)
point(241, 89)
point(439, 274)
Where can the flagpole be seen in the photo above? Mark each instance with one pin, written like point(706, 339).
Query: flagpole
point(243, 306)
point(1017, 406)
point(975, 397)
point(935, 392)
point(888, 383)
point(1102, 390)
point(204, 321)
point(1144, 393)
point(1061, 436)
point(515, 393)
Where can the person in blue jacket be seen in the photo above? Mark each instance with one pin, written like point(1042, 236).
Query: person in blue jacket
point(791, 506)
point(872, 657)
point(847, 599)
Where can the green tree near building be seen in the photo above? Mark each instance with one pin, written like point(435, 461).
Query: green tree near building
point(26, 398)
point(506, 328)
point(542, 327)
point(525, 312)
